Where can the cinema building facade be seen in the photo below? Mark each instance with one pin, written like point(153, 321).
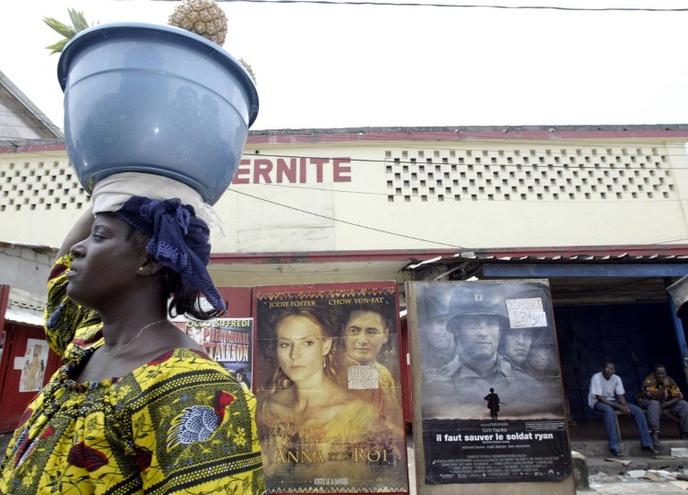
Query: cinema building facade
point(598, 211)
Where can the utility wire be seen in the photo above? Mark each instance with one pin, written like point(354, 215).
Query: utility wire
point(324, 189)
point(666, 241)
point(648, 243)
point(375, 229)
point(367, 227)
point(463, 6)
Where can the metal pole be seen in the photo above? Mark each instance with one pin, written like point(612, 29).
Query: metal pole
point(680, 337)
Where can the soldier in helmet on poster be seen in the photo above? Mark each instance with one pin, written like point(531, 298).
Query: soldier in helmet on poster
point(482, 418)
point(478, 320)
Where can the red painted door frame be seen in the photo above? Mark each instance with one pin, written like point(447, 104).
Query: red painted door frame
point(4, 299)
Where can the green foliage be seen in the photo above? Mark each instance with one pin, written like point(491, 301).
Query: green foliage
point(78, 20)
point(79, 23)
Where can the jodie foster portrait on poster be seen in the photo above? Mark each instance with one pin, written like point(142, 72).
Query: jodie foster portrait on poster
point(328, 387)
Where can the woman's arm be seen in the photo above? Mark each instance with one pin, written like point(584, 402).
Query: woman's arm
point(79, 231)
point(65, 320)
point(195, 428)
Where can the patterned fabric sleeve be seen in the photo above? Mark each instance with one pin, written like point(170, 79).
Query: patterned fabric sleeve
point(65, 320)
point(650, 390)
point(194, 428)
point(673, 390)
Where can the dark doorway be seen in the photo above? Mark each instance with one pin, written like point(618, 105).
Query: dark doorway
point(634, 336)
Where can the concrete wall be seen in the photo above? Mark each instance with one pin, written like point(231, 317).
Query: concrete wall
point(25, 269)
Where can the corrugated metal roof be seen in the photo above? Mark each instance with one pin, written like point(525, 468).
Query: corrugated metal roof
point(602, 254)
point(39, 248)
point(436, 133)
point(24, 315)
point(25, 307)
point(31, 108)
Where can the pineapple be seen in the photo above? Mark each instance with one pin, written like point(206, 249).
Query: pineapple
point(248, 68)
point(203, 17)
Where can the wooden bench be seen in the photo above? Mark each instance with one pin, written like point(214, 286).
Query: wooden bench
point(618, 428)
point(668, 414)
point(665, 414)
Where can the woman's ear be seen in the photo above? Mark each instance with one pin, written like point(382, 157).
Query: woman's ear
point(327, 346)
point(149, 267)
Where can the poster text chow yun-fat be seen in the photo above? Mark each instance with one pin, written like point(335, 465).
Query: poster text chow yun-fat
point(491, 401)
point(329, 390)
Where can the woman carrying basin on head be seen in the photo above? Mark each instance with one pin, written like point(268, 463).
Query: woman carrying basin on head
point(136, 407)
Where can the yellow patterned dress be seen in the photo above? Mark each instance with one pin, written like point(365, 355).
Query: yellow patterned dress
point(178, 424)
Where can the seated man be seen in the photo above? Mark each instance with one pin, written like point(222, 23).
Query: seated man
point(607, 397)
point(661, 392)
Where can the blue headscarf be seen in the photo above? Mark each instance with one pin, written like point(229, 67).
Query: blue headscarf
point(178, 240)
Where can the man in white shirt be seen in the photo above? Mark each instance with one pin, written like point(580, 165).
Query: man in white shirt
point(607, 396)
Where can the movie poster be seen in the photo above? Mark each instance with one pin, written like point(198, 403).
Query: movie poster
point(490, 387)
point(228, 341)
point(33, 370)
point(329, 390)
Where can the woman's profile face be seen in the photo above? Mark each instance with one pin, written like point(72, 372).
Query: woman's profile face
point(105, 263)
point(301, 347)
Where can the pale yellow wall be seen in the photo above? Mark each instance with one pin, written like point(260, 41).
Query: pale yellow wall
point(253, 225)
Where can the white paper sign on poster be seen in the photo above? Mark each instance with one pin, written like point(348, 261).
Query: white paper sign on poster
point(526, 313)
point(33, 370)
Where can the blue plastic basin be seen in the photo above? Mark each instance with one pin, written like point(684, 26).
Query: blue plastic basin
point(155, 99)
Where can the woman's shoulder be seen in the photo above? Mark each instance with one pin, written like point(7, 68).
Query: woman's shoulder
point(384, 375)
point(281, 403)
point(347, 405)
point(358, 406)
point(183, 364)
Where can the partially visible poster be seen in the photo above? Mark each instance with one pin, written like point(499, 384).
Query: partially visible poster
point(33, 370)
point(329, 389)
point(228, 341)
point(490, 387)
